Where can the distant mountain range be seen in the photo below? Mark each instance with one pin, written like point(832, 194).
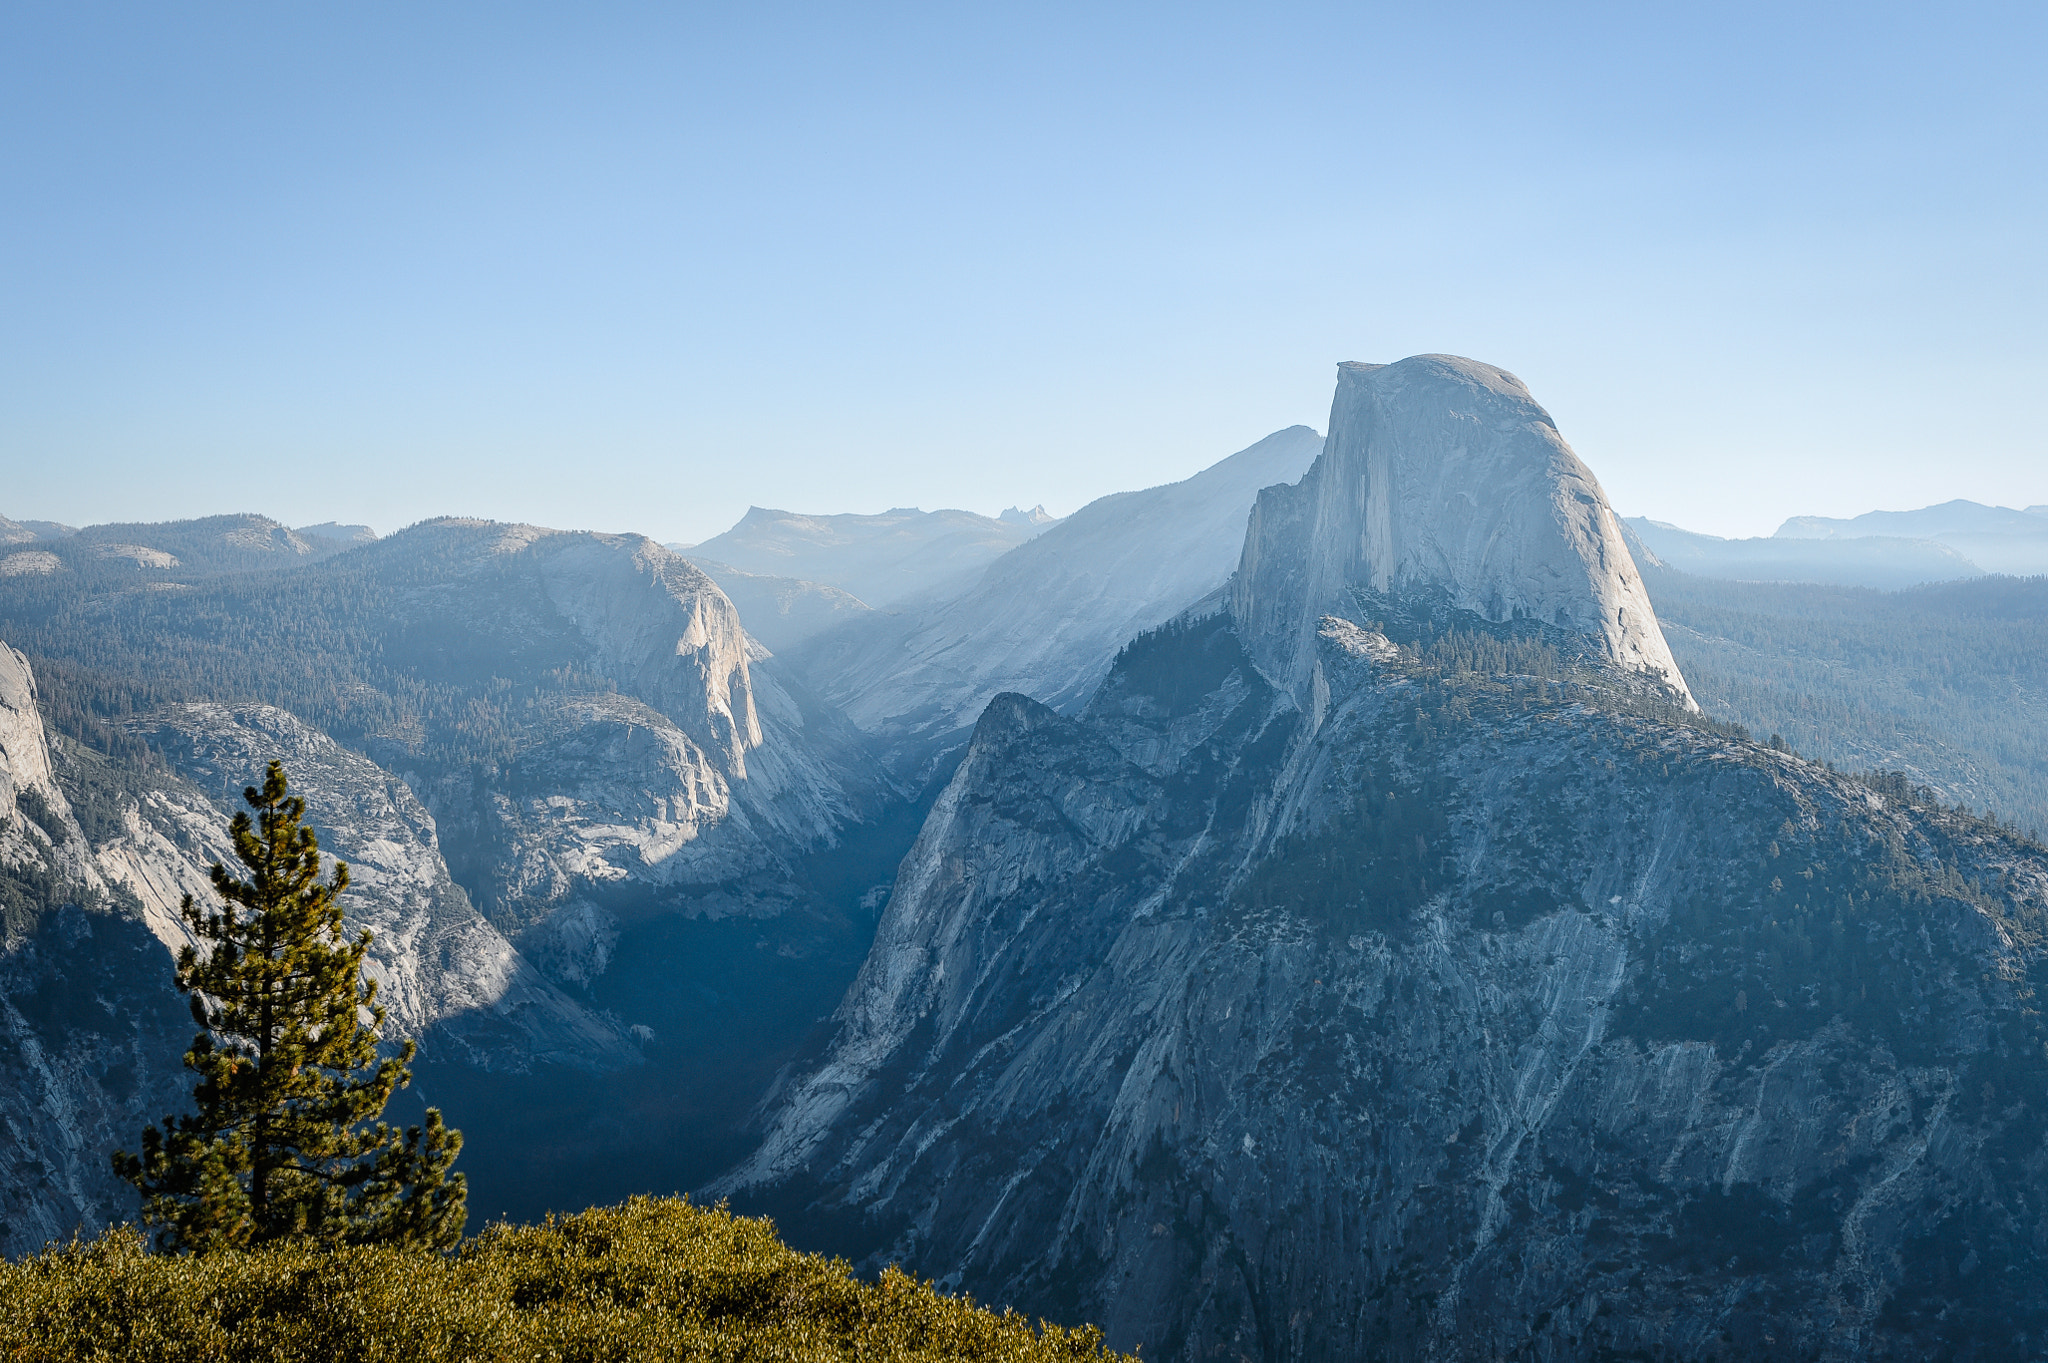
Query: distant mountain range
point(881, 559)
point(1048, 617)
point(1883, 549)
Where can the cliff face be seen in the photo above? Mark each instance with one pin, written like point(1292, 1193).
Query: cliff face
point(674, 772)
point(538, 751)
point(92, 1030)
point(1442, 481)
point(444, 975)
point(1475, 1020)
point(90, 1027)
point(1394, 964)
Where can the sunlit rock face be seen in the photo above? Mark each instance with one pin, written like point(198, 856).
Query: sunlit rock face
point(1442, 482)
point(675, 773)
point(90, 1026)
point(444, 975)
point(1438, 985)
point(536, 741)
point(1466, 1023)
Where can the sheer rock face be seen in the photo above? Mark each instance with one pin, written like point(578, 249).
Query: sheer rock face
point(91, 1029)
point(24, 752)
point(693, 783)
point(1442, 479)
point(662, 629)
point(39, 833)
point(1429, 1026)
point(444, 975)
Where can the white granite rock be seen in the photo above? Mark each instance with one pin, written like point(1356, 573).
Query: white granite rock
point(1442, 478)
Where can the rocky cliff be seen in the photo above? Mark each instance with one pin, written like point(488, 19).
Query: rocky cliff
point(1480, 1019)
point(1423, 984)
point(90, 1026)
point(445, 976)
point(602, 843)
point(95, 858)
point(1442, 480)
point(668, 770)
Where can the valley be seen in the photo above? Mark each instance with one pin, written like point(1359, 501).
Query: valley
point(1364, 899)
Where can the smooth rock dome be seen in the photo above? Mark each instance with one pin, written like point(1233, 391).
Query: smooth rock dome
point(1442, 478)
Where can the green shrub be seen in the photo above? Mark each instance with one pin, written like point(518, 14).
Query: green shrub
point(652, 1279)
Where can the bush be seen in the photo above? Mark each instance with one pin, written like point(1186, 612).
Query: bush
point(653, 1279)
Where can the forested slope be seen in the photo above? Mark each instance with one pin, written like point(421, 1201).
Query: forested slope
point(1947, 682)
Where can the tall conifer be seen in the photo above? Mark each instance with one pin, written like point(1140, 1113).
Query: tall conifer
point(285, 1143)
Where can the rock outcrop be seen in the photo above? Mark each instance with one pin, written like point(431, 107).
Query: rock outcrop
point(445, 976)
point(1475, 1021)
point(691, 781)
point(602, 837)
point(1439, 991)
point(1442, 481)
point(91, 1029)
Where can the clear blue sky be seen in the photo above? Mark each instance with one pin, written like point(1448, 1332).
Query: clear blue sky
point(636, 267)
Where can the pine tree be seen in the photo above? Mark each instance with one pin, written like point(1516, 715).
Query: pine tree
point(285, 1143)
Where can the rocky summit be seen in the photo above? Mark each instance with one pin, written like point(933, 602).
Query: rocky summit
point(1417, 983)
point(1443, 481)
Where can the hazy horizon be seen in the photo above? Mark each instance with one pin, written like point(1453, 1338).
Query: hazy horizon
point(804, 510)
point(646, 265)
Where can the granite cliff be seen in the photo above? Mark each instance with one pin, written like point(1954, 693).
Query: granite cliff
point(1442, 479)
point(94, 861)
point(90, 1027)
point(1430, 980)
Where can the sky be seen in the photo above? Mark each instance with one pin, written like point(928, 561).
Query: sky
point(637, 267)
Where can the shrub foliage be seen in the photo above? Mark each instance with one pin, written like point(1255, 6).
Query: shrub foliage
point(652, 1279)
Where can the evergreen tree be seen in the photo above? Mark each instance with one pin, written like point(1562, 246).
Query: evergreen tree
point(285, 1144)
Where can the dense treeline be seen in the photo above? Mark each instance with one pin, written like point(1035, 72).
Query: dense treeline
point(1947, 682)
point(650, 1279)
point(416, 644)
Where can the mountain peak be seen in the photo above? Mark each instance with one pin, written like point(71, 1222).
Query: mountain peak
point(1442, 482)
point(1036, 516)
point(334, 530)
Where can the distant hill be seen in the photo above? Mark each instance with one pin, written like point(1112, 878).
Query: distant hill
point(21, 532)
point(208, 544)
point(332, 530)
point(1887, 562)
point(1997, 539)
